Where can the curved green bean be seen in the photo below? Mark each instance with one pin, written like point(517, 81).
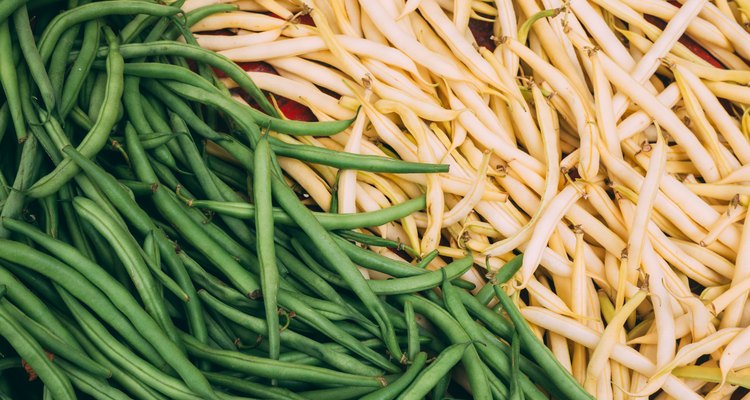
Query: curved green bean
point(87, 12)
point(403, 382)
point(30, 350)
point(80, 67)
point(560, 377)
point(238, 110)
point(274, 369)
point(53, 343)
point(291, 339)
point(96, 138)
point(422, 282)
point(145, 325)
point(430, 376)
point(34, 62)
point(9, 80)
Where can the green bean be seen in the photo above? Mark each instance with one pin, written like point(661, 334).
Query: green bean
point(308, 153)
point(291, 339)
point(206, 179)
point(10, 362)
point(336, 258)
point(485, 295)
point(227, 104)
point(264, 224)
point(340, 393)
point(136, 25)
point(568, 387)
point(96, 138)
point(75, 230)
point(125, 302)
point(135, 387)
point(4, 123)
point(78, 285)
point(211, 283)
point(430, 376)
point(496, 359)
point(129, 253)
point(34, 62)
point(7, 8)
point(515, 344)
point(9, 81)
point(375, 261)
point(412, 331)
point(137, 188)
point(403, 382)
point(240, 277)
point(274, 369)
point(157, 70)
point(438, 392)
point(92, 11)
point(30, 350)
point(456, 334)
point(95, 387)
point(251, 388)
point(121, 355)
point(421, 282)
point(55, 344)
point(327, 220)
point(308, 277)
point(427, 259)
point(26, 173)
point(96, 97)
point(333, 331)
point(232, 70)
point(219, 334)
point(360, 162)
point(59, 62)
point(198, 14)
point(49, 212)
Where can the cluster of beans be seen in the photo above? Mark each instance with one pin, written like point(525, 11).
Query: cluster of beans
point(132, 264)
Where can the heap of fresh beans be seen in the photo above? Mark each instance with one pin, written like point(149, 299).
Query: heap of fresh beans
point(134, 263)
point(607, 140)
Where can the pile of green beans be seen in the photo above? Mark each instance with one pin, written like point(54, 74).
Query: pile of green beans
point(133, 264)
